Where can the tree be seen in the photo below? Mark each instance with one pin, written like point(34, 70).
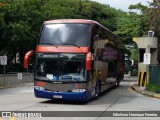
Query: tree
point(133, 24)
point(21, 27)
point(150, 17)
point(21, 20)
point(154, 13)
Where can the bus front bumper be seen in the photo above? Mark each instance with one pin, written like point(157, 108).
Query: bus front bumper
point(75, 96)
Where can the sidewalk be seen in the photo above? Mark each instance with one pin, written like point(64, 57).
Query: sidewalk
point(143, 91)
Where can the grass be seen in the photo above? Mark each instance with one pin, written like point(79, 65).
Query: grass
point(153, 88)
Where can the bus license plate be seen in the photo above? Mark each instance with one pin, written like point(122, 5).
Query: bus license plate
point(57, 96)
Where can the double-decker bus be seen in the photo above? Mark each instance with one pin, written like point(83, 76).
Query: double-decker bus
point(76, 59)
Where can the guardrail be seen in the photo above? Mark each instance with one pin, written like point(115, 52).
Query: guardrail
point(16, 78)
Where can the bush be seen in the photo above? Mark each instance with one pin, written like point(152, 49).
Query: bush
point(153, 88)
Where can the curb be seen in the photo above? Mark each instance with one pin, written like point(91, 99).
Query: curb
point(145, 92)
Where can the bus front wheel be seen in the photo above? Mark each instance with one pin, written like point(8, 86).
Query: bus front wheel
point(97, 90)
point(116, 84)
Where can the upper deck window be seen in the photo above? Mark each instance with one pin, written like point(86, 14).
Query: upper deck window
point(65, 34)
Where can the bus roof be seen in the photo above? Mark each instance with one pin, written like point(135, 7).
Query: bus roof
point(75, 21)
point(70, 21)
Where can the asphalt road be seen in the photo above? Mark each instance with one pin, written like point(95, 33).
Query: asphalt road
point(21, 98)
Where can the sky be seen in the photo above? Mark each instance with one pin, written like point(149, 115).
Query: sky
point(122, 4)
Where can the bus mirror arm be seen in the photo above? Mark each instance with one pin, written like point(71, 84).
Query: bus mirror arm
point(26, 58)
point(96, 37)
point(99, 72)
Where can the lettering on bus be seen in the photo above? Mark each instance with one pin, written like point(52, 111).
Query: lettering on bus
point(49, 56)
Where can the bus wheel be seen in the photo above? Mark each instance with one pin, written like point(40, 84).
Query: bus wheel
point(116, 83)
point(97, 90)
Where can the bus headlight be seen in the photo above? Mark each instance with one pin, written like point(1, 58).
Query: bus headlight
point(39, 87)
point(78, 90)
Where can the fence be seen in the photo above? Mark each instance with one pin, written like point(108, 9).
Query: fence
point(16, 78)
point(154, 74)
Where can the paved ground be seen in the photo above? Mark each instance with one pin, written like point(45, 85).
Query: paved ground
point(21, 98)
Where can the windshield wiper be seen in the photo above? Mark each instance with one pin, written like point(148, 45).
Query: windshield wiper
point(71, 44)
point(49, 44)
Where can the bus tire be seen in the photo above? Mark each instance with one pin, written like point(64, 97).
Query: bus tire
point(117, 82)
point(97, 90)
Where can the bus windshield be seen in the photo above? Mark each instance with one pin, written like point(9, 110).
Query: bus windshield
point(60, 67)
point(65, 34)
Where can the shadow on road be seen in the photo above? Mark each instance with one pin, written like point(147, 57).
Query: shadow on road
point(63, 102)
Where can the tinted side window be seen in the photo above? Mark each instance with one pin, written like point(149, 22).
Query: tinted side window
point(109, 54)
point(103, 34)
point(94, 34)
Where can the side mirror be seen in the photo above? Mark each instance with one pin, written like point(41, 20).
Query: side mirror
point(96, 37)
point(99, 72)
point(26, 58)
point(88, 61)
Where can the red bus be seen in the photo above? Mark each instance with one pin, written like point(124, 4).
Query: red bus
point(76, 59)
